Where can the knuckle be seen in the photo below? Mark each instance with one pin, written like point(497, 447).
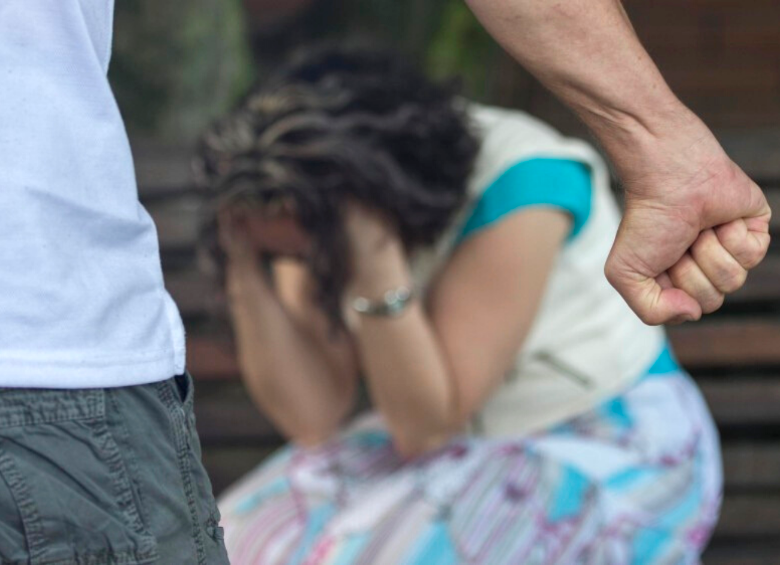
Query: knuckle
point(753, 257)
point(706, 240)
point(733, 281)
point(731, 236)
point(683, 270)
point(651, 318)
point(712, 303)
point(612, 272)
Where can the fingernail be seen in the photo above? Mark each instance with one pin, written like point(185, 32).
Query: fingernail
point(676, 321)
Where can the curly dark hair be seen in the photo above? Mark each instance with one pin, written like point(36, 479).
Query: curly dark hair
point(342, 123)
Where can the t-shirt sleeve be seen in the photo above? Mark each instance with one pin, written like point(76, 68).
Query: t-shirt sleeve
point(535, 183)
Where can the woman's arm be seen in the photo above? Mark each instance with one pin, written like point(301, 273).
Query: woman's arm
point(679, 183)
point(302, 377)
point(429, 370)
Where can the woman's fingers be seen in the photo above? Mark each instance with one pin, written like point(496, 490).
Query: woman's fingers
point(225, 229)
point(687, 276)
point(233, 237)
point(722, 269)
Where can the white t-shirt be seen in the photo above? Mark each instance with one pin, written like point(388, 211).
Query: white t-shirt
point(82, 301)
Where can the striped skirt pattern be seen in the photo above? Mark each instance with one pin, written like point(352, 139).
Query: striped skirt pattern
point(635, 481)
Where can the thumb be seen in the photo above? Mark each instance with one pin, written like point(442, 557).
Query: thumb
point(653, 299)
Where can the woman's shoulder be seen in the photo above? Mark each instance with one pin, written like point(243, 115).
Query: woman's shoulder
point(509, 137)
point(493, 119)
point(510, 131)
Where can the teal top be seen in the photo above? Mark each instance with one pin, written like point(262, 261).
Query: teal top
point(547, 183)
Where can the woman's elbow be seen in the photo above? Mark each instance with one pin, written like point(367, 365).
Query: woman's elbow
point(312, 436)
point(309, 441)
point(309, 430)
point(415, 437)
point(413, 443)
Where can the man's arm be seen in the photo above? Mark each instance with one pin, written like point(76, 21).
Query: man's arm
point(667, 262)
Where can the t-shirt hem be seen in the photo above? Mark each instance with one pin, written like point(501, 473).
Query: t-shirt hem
point(19, 373)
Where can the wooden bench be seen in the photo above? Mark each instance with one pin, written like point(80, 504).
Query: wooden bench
point(734, 356)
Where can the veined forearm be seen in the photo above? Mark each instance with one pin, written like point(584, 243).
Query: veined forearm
point(678, 181)
point(587, 53)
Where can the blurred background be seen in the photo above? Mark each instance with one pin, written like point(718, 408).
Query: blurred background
point(178, 65)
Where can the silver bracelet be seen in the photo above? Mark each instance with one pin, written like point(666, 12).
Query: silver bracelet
point(392, 305)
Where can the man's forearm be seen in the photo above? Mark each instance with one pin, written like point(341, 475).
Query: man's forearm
point(679, 183)
point(586, 52)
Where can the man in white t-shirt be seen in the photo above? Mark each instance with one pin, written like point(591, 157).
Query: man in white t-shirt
point(99, 458)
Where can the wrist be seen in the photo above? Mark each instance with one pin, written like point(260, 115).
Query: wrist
point(244, 279)
point(620, 127)
point(643, 148)
point(669, 165)
point(372, 282)
point(384, 271)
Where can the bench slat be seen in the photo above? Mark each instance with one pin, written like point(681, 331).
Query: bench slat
point(752, 466)
point(177, 219)
point(177, 222)
point(193, 292)
point(211, 358)
point(227, 464)
point(733, 344)
point(743, 401)
point(731, 552)
point(162, 171)
point(750, 515)
point(225, 415)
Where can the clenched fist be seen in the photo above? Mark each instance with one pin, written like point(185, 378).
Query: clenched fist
point(694, 225)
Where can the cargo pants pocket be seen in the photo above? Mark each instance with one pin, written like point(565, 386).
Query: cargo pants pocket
point(66, 495)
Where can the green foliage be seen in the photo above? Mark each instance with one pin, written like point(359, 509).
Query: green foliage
point(443, 34)
point(177, 65)
point(461, 47)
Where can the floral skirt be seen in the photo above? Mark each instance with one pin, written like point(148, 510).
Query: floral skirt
point(635, 481)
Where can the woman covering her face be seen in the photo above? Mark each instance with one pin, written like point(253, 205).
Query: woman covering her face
point(375, 232)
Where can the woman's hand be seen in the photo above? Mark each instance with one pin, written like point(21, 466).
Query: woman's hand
point(379, 261)
point(234, 238)
point(245, 234)
point(274, 230)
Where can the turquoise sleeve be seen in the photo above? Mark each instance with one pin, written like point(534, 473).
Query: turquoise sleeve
point(546, 183)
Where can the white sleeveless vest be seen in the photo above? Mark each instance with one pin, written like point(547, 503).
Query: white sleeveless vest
point(585, 344)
